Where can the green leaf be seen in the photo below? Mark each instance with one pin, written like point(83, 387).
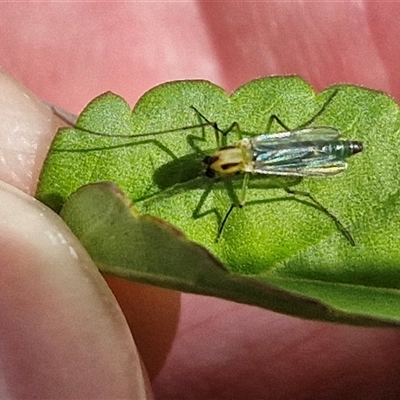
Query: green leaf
point(275, 238)
point(134, 246)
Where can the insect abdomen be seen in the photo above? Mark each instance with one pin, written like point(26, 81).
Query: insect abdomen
point(343, 148)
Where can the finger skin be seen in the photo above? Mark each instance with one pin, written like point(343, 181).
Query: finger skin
point(62, 333)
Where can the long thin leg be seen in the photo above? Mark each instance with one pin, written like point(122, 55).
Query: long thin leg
point(197, 214)
point(335, 219)
point(222, 225)
point(218, 131)
point(275, 118)
point(245, 184)
point(242, 200)
point(191, 139)
point(321, 111)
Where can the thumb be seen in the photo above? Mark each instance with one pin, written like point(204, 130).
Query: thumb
point(62, 332)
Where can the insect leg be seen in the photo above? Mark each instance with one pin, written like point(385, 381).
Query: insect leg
point(321, 111)
point(197, 214)
point(346, 233)
point(240, 203)
point(275, 118)
point(203, 123)
point(220, 135)
point(245, 183)
point(222, 225)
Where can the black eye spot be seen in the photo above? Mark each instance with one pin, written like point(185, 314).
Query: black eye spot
point(210, 173)
point(209, 160)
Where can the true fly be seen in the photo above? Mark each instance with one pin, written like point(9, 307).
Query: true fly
point(303, 152)
point(308, 152)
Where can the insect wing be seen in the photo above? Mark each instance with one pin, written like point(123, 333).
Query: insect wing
point(320, 167)
point(324, 133)
point(300, 152)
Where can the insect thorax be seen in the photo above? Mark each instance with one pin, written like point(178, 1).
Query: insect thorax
point(228, 160)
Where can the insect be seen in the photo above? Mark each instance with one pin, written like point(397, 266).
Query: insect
point(303, 152)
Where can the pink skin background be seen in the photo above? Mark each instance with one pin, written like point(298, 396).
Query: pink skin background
point(62, 333)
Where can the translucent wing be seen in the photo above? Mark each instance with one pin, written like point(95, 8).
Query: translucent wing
point(304, 152)
point(325, 133)
point(318, 167)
